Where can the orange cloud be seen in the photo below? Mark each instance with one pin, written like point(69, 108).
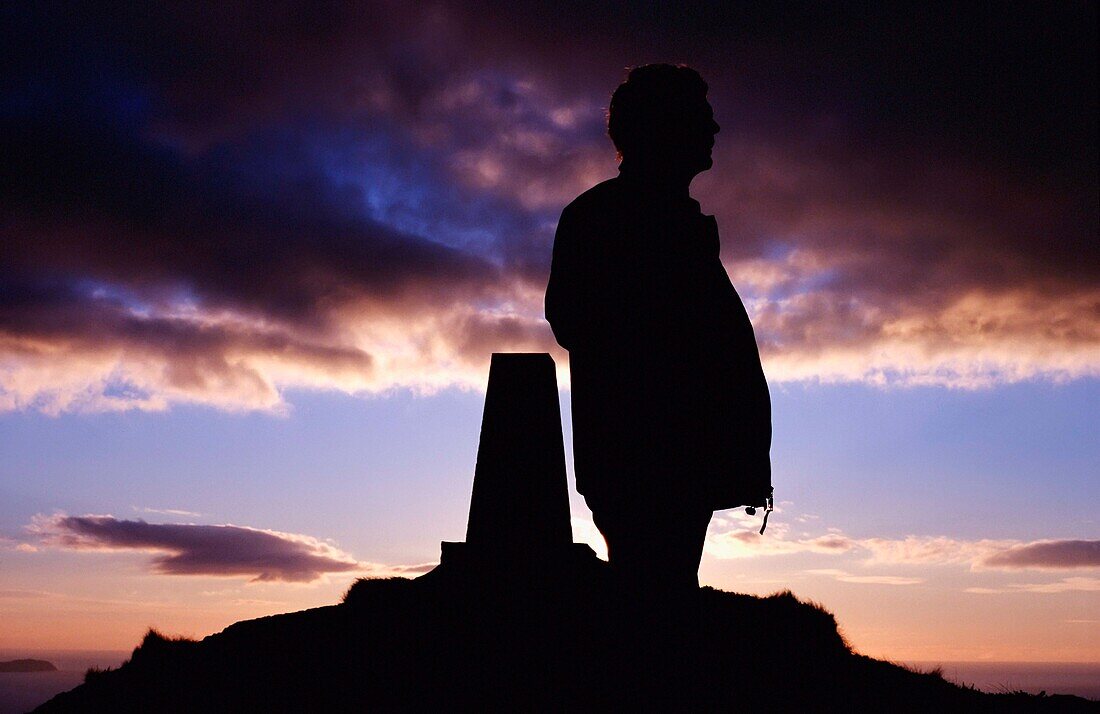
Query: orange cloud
point(742, 541)
point(846, 577)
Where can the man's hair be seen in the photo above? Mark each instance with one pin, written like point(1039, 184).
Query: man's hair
point(652, 98)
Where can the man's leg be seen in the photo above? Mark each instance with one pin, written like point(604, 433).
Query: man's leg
point(652, 544)
point(686, 535)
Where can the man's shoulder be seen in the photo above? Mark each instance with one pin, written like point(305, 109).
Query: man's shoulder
point(602, 199)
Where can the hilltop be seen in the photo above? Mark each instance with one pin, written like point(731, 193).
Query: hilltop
point(520, 618)
point(452, 640)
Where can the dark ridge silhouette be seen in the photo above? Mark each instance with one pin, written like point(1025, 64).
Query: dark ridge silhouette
point(510, 628)
point(444, 643)
point(27, 665)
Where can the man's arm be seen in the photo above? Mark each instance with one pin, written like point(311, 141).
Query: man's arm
point(569, 291)
point(601, 291)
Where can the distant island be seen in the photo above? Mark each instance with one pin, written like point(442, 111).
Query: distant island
point(27, 665)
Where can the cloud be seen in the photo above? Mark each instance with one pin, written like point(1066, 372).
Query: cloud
point(215, 550)
point(738, 539)
point(1060, 586)
point(930, 550)
point(24, 594)
point(13, 544)
point(1047, 554)
point(986, 554)
point(749, 543)
point(241, 206)
point(376, 570)
point(845, 577)
point(927, 284)
point(169, 512)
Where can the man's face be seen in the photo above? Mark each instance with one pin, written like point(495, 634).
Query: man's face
point(700, 140)
point(689, 139)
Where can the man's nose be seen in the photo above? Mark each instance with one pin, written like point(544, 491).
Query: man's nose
point(715, 128)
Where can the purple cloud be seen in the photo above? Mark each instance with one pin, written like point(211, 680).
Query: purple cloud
point(249, 198)
point(222, 550)
point(1048, 554)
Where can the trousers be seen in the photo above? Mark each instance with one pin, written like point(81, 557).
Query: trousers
point(652, 543)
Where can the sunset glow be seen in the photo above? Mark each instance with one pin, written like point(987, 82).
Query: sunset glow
point(254, 262)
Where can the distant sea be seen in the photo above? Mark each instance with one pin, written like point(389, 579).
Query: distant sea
point(21, 692)
point(1080, 678)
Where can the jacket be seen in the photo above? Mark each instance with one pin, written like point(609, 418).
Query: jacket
point(669, 399)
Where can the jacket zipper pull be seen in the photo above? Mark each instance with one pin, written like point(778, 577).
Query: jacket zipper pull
point(767, 510)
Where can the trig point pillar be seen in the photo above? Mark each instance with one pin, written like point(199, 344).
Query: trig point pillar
point(520, 497)
point(519, 509)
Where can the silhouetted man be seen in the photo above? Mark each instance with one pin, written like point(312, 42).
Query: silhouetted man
point(671, 412)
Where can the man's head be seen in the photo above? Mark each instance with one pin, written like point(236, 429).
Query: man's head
point(660, 119)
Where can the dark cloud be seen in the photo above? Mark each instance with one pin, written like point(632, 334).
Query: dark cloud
point(200, 549)
point(218, 202)
point(1048, 554)
point(114, 209)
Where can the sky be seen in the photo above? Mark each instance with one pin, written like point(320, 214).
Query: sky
point(254, 259)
